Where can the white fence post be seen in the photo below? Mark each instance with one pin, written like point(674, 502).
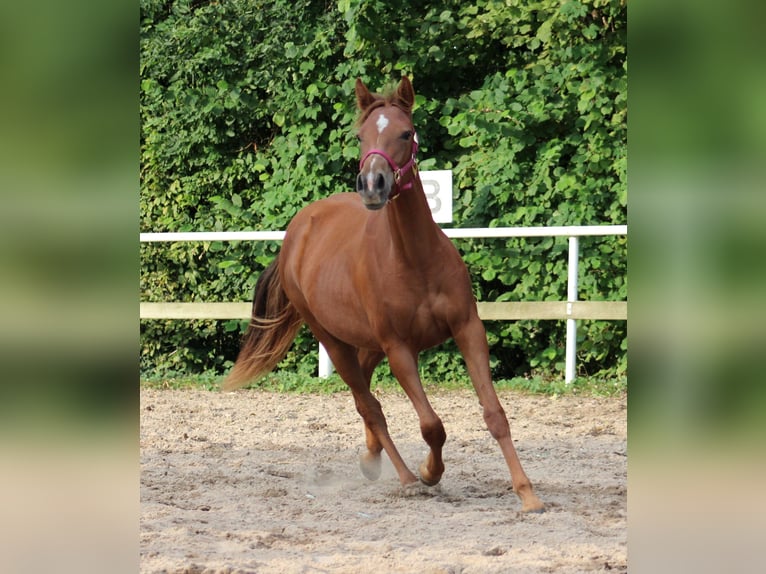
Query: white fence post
point(325, 364)
point(572, 270)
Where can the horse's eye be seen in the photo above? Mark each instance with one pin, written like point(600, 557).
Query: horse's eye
point(406, 135)
point(359, 138)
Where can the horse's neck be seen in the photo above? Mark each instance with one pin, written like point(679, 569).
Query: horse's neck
point(413, 231)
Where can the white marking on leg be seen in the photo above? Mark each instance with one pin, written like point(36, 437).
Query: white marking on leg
point(381, 123)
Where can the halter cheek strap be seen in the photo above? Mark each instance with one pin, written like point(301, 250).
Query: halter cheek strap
point(398, 171)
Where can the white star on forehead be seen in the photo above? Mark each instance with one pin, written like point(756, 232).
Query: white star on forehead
point(381, 123)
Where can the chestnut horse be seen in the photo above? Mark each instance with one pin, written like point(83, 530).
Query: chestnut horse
point(373, 276)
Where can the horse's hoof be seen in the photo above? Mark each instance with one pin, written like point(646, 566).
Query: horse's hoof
point(370, 465)
point(529, 501)
point(533, 505)
point(426, 477)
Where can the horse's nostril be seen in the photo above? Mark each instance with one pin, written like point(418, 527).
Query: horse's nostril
point(359, 183)
point(380, 182)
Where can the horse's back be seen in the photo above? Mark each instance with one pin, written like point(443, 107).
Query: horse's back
point(323, 227)
point(322, 235)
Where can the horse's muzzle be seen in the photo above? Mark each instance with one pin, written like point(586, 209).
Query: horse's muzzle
point(375, 188)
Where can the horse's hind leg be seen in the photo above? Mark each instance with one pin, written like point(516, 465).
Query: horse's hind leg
point(346, 362)
point(370, 462)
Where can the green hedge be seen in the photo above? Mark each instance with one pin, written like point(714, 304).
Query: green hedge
point(246, 116)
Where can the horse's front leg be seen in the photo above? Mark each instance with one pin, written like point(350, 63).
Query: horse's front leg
point(404, 366)
point(471, 338)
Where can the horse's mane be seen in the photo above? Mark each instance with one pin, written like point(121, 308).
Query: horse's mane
point(387, 99)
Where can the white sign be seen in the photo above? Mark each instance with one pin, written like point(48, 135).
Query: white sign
point(437, 186)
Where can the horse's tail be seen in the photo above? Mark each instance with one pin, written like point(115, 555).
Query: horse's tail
point(273, 326)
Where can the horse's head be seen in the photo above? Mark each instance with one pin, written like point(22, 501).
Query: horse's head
point(388, 143)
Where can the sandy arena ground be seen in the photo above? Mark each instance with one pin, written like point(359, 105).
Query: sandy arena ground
point(251, 481)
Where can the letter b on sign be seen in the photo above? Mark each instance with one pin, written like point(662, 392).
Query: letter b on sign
point(437, 186)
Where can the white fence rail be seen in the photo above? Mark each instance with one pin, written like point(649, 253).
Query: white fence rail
point(570, 310)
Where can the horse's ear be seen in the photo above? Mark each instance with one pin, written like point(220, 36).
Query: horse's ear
point(363, 96)
point(405, 95)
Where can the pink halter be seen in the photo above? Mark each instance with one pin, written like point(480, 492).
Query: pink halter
point(398, 171)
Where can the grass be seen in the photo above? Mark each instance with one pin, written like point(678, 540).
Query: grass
point(286, 382)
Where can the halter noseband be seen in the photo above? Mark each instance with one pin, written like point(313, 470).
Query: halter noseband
point(398, 171)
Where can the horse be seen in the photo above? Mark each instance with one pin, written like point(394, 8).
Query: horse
point(373, 276)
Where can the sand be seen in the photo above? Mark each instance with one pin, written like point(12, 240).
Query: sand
point(252, 481)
